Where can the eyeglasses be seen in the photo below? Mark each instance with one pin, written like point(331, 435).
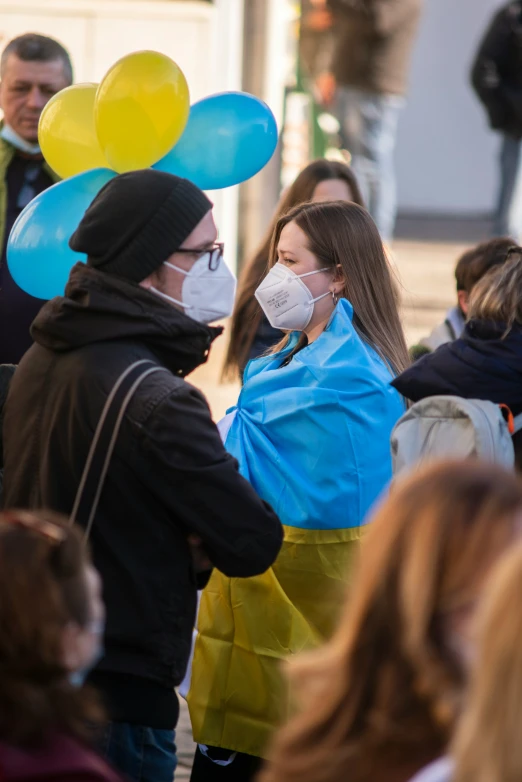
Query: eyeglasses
point(215, 253)
point(28, 190)
point(52, 532)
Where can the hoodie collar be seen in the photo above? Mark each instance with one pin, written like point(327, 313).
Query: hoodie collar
point(99, 308)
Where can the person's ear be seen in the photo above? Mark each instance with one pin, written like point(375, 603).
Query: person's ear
point(463, 299)
point(337, 286)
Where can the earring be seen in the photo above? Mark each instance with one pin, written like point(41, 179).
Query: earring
point(335, 298)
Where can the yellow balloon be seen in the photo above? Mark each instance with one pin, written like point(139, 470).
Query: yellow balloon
point(141, 109)
point(67, 134)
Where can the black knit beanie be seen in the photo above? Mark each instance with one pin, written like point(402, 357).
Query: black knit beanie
point(137, 220)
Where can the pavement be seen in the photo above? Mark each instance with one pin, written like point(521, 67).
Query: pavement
point(425, 272)
point(184, 744)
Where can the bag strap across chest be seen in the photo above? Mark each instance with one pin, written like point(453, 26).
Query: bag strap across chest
point(104, 440)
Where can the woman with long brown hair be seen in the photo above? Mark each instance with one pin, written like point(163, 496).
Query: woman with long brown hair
point(251, 334)
point(51, 630)
point(311, 432)
point(379, 702)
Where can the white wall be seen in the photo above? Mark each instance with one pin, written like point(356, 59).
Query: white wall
point(205, 40)
point(446, 155)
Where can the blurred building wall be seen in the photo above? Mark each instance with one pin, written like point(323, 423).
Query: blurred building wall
point(446, 155)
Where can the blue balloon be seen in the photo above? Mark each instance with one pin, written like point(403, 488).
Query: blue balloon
point(229, 137)
point(38, 253)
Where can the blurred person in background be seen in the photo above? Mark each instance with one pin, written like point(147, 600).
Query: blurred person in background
point(486, 747)
point(380, 700)
point(470, 268)
point(497, 79)
point(51, 634)
point(251, 334)
point(311, 433)
point(6, 373)
point(316, 39)
point(485, 362)
point(366, 87)
point(33, 68)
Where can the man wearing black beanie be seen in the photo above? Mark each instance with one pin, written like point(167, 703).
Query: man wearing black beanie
point(172, 496)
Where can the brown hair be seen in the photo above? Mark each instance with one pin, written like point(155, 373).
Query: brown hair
point(487, 745)
point(247, 313)
point(498, 295)
point(381, 697)
point(342, 234)
point(42, 588)
point(477, 261)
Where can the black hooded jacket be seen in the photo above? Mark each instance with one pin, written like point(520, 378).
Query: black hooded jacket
point(497, 71)
point(170, 476)
point(482, 364)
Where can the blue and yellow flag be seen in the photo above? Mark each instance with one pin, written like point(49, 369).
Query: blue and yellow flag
point(313, 438)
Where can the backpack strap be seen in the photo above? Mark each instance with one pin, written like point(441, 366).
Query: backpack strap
point(104, 440)
point(514, 422)
point(517, 421)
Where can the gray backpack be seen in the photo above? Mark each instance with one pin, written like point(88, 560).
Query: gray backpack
point(440, 427)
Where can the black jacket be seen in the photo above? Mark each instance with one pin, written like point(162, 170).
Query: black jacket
point(169, 477)
point(6, 374)
point(497, 71)
point(482, 364)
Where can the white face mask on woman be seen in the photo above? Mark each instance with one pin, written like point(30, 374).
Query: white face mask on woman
point(286, 301)
point(208, 290)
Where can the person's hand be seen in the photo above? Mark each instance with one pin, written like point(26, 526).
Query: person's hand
point(326, 85)
point(200, 559)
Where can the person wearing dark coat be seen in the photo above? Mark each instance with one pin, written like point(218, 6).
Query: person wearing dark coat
point(153, 280)
point(486, 361)
point(497, 79)
point(6, 373)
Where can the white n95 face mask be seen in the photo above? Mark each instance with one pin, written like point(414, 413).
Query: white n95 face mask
point(208, 290)
point(286, 301)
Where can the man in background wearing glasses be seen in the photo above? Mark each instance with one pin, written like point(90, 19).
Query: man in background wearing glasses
point(154, 279)
point(33, 68)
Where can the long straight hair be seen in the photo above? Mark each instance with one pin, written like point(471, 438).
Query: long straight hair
point(247, 313)
point(380, 700)
point(344, 238)
point(487, 745)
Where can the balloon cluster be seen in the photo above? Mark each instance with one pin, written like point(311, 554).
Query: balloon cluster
point(138, 116)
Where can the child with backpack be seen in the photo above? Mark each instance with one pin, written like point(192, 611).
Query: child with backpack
point(468, 393)
point(470, 268)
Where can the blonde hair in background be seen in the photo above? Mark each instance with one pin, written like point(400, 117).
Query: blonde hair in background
point(382, 696)
point(498, 295)
point(487, 746)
